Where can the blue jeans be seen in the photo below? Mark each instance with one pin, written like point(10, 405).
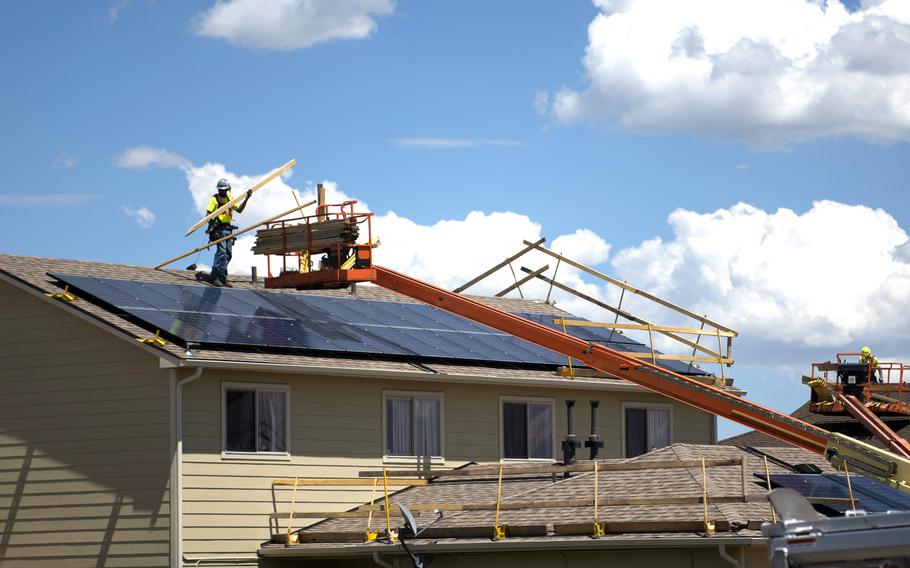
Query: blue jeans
point(223, 253)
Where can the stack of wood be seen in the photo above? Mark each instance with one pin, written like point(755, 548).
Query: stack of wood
point(316, 238)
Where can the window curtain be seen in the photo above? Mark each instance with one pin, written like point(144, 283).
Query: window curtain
point(540, 427)
point(427, 425)
point(239, 421)
point(398, 427)
point(273, 424)
point(658, 428)
point(636, 423)
point(514, 430)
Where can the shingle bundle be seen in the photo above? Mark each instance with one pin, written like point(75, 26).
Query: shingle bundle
point(313, 237)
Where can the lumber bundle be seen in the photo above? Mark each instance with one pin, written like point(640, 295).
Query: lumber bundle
point(316, 238)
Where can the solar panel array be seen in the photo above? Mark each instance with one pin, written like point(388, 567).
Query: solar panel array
point(871, 496)
point(227, 317)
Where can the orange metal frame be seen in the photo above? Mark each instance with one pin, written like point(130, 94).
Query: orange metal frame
point(660, 380)
point(304, 278)
point(892, 374)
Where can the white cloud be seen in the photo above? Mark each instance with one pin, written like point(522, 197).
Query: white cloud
point(65, 161)
point(144, 217)
point(45, 199)
point(766, 72)
point(832, 276)
point(454, 142)
point(142, 157)
point(290, 24)
point(113, 14)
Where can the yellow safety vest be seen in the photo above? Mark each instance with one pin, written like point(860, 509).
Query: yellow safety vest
point(869, 360)
point(214, 203)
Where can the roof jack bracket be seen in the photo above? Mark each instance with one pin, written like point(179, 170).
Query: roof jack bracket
point(499, 531)
point(156, 340)
point(65, 295)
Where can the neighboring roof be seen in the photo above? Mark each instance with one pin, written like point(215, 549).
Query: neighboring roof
point(844, 424)
point(31, 273)
point(741, 518)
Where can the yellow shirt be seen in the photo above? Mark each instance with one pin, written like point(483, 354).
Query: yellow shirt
point(215, 203)
point(869, 360)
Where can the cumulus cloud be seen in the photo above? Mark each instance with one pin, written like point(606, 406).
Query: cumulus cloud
point(834, 275)
point(766, 72)
point(290, 24)
point(144, 217)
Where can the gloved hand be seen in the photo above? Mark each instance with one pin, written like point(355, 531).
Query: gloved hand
point(249, 193)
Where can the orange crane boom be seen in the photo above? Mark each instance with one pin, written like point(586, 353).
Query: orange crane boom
point(660, 380)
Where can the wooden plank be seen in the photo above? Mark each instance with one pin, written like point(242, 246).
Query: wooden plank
point(256, 187)
point(473, 281)
point(698, 526)
point(689, 330)
point(235, 235)
point(343, 482)
point(621, 313)
point(666, 357)
point(548, 469)
point(632, 289)
point(518, 283)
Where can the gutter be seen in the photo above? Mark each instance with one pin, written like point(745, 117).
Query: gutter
point(482, 546)
point(580, 383)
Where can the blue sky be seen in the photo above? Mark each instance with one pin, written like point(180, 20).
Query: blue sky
point(447, 108)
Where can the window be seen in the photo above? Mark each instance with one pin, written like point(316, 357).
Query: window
point(646, 428)
point(255, 419)
point(527, 429)
point(413, 425)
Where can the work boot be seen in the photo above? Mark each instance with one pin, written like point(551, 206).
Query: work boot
point(216, 283)
point(225, 283)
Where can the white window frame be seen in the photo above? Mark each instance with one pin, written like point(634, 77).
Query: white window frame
point(644, 405)
point(414, 460)
point(502, 440)
point(281, 456)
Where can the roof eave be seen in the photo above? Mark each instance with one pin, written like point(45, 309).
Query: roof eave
point(512, 545)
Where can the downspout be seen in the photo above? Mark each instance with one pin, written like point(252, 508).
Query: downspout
point(379, 561)
point(177, 468)
point(722, 551)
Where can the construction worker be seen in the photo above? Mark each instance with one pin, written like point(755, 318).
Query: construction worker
point(867, 358)
point(220, 227)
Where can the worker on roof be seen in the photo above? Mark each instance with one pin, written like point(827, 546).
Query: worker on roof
point(867, 358)
point(219, 227)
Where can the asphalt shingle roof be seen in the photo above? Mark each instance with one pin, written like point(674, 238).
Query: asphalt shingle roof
point(650, 483)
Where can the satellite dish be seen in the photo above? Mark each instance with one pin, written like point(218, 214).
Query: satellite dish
point(791, 506)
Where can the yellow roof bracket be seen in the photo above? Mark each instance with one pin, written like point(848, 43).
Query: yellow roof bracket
point(156, 340)
point(65, 295)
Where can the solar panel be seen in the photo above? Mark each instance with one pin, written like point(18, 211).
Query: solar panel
point(872, 496)
point(231, 317)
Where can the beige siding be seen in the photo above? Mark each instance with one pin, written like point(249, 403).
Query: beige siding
point(84, 436)
point(336, 430)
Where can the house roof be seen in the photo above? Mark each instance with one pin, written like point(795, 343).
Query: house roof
point(843, 424)
point(31, 273)
point(739, 519)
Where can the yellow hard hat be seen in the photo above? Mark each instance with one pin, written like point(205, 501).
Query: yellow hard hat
point(865, 351)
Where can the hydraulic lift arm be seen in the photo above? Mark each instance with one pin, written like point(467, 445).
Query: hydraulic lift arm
point(862, 458)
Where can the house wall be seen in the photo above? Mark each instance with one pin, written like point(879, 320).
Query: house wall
point(336, 431)
point(84, 436)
